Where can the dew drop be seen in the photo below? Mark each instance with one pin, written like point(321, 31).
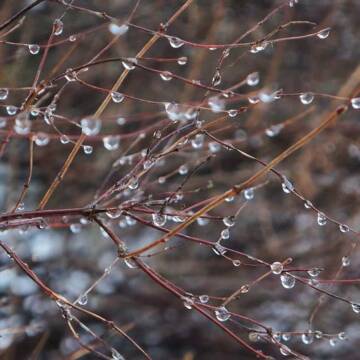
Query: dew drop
point(130, 263)
point(198, 141)
point(58, 27)
point(88, 149)
point(232, 112)
point(308, 337)
point(166, 75)
point(117, 97)
point(90, 126)
point(229, 221)
point(249, 194)
point(219, 249)
point(355, 307)
point(344, 228)
point(222, 314)
point(129, 64)
point(323, 34)
point(11, 110)
point(225, 234)
point(276, 267)
point(315, 272)
point(287, 186)
point(216, 80)
point(355, 102)
point(159, 219)
point(274, 130)
point(83, 300)
point(4, 93)
point(41, 139)
point(64, 139)
point(34, 49)
point(175, 42)
point(321, 219)
point(287, 281)
point(188, 303)
point(116, 355)
point(306, 98)
point(75, 228)
point(118, 29)
point(345, 261)
point(182, 60)
point(253, 79)
point(236, 263)
point(111, 142)
point(204, 299)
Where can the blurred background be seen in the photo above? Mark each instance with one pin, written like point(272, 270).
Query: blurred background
point(70, 253)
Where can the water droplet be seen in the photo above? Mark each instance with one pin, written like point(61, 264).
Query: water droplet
point(292, 2)
point(133, 184)
point(41, 139)
point(116, 355)
point(308, 204)
point(321, 219)
point(198, 141)
point(286, 336)
point(120, 121)
point(333, 342)
point(287, 186)
point(276, 267)
point(222, 314)
point(287, 281)
point(342, 335)
point(253, 99)
point(130, 263)
point(232, 112)
point(258, 47)
point(83, 300)
point(21, 206)
point(175, 42)
point(64, 139)
point(229, 221)
point(355, 102)
point(58, 27)
point(4, 93)
point(111, 142)
point(315, 272)
point(129, 64)
point(72, 38)
point(318, 334)
point(183, 169)
point(159, 219)
point(253, 79)
point(22, 124)
point(249, 194)
point(204, 299)
point(323, 34)
point(345, 261)
point(236, 263)
point(118, 29)
point(182, 60)
point(114, 214)
point(34, 49)
point(216, 80)
point(229, 198)
point(214, 147)
point(188, 302)
point(2, 122)
point(355, 307)
point(308, 337)
point(219, 249)
point(344, 228)
point(166, 75)
point(225, 234)
point(75, 228)
point(216, 104)
point(90, 126)
point(88, 149)
point(117, 97)
point(274, 130)
point(306, 98)
point(284, 350)
point(11, 109)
